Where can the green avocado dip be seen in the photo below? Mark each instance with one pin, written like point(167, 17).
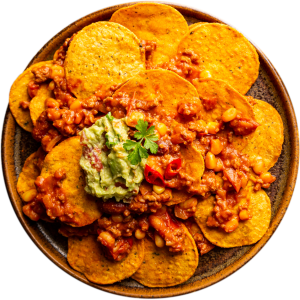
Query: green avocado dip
point(108, 171)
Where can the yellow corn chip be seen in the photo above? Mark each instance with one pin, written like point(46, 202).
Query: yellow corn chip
point(18, 93)
point(248, 232)
point(192, 26)
point(268, 137)
point(156, 22)
point(178, 197)
point(37, 104)
point(101, 55)
point(162, 268)
point(193, 163)
point(225, 53)
point(67, 155)
point(227, 97)
point(160, 84)
point(85, 255)
point(27, 177)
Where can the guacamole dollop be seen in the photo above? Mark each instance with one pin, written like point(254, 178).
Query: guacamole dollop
point(108, 171)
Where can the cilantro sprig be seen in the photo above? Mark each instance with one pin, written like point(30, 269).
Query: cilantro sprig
point(139, 149)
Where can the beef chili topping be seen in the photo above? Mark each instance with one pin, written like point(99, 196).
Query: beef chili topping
point(50, 201)
point(52, 195)
point(202, 243)
point(226, 175)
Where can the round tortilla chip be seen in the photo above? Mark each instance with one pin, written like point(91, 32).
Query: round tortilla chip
point(160, 83)
point(67, 155)
point(227, 97)
point(37, 103)
point(154, 22)
point(193, 163)
point(162, 268)
point(27, 177)
point(18, 93)
point(85, 255)
point(248, 232)
point(193, 26)
point(268, 137)
point(101, 55)
point(225, 53)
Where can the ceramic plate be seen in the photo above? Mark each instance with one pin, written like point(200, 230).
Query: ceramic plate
point(17, 145)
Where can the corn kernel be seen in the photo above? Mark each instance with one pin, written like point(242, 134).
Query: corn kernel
point(161, 128)
point(158, 189)
point(212, 127)
point(132, 120)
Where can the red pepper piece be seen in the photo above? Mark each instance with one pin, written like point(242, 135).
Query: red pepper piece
point(154, 177)
point(173, 168)
point(233, 178)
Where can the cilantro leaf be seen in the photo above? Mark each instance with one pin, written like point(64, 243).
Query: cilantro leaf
point(152, 137)
point(142, 126)
point(139, 151)
point(138, 135)
point(149, 144)
point(143, 152)
point(129, 145)
point(134, 156)
point(150, 130)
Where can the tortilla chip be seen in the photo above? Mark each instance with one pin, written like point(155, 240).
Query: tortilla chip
point(160, 83)
point(225, 53)
point(203, 244)
point(162, 268)
point(193, 163)
point(193, 26)
point(37, 104)
point(248, 232)
point(227, 97)
point(154, 22)
point(268, 137)
point(18, 93)
point(178, 197)
point(27, 177)
point(67, 155)
point(101, 55)
point(85, 255)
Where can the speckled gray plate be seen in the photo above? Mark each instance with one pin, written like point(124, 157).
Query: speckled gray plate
point(18, 144)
